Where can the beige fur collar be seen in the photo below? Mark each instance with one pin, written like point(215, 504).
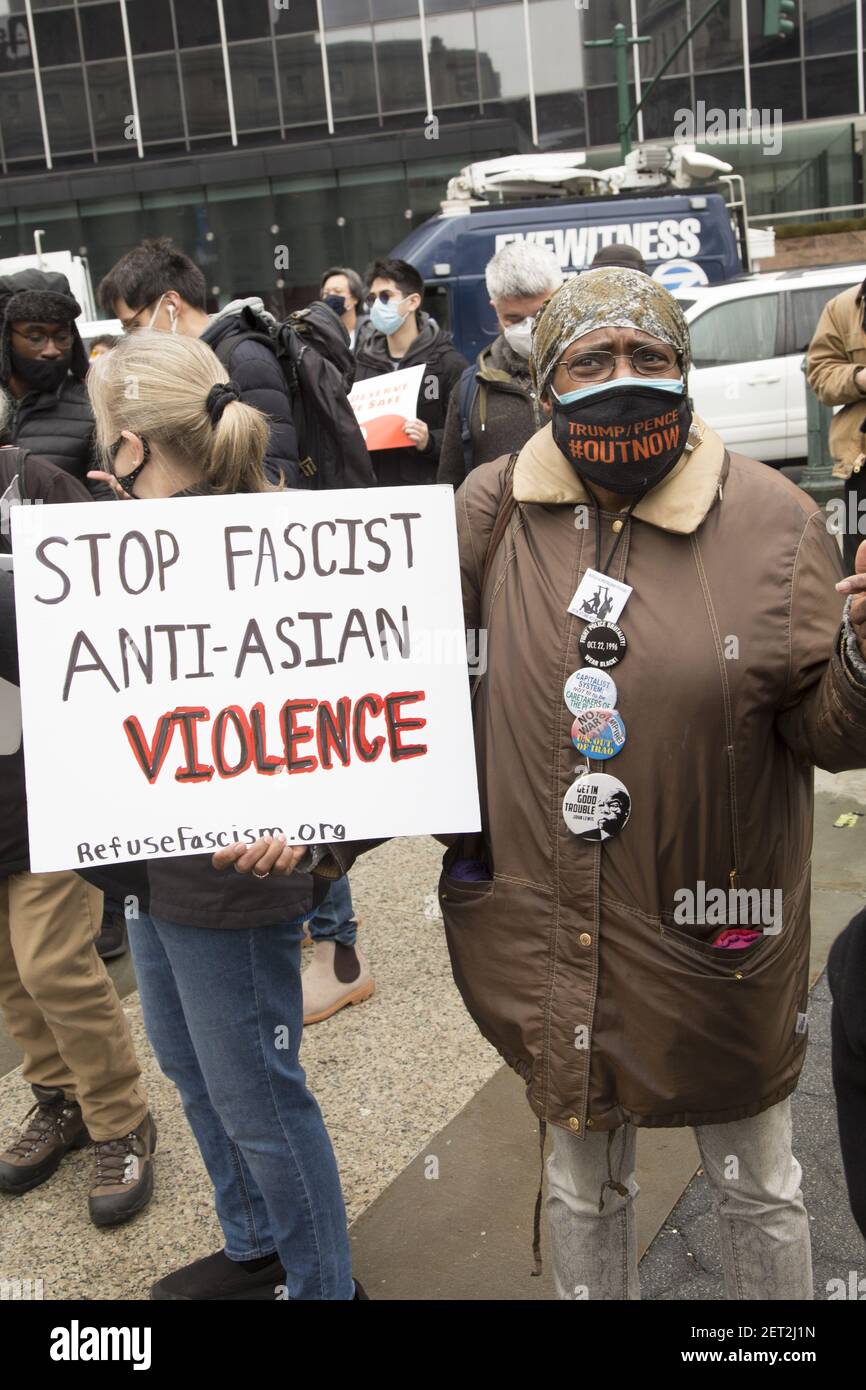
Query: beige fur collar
point(679, 503)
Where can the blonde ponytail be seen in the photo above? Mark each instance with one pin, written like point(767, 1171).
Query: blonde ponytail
point(240, 439)
point(157, 385)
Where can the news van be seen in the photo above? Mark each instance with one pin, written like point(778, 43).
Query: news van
point(689, 234)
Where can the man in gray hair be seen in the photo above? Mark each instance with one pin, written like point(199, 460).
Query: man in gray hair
point(494, 408)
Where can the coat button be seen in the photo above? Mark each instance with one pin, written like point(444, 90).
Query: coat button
point(573, 1123)
point(585, 939)
point(617, 526)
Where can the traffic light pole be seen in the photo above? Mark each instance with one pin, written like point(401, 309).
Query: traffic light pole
point(620, 43)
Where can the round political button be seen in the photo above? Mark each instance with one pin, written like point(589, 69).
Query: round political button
point(590, 688)
point(598, 733)
point(602, 644)
point(596, 806)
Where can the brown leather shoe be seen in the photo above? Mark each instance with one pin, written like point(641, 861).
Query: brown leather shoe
point(55, 1126)
point(123, 1183)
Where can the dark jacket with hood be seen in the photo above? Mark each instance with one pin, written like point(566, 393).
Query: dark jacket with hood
point(23, 478)
point(445, 366)
point(504, 414)
point(55, 424)
point(254, 367)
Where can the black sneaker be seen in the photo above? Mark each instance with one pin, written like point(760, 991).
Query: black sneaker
point(111, 941)
point(217, 1278)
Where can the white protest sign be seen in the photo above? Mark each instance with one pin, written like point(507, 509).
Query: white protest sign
point(197, 671)
point(383, 404)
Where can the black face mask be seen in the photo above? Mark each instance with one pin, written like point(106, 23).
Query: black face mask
point(337, 302)
point(625, 438)
point(39, 373)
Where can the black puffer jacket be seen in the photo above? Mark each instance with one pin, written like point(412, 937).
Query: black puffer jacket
point(58, 426)
point(445, 366)
point(254, 366)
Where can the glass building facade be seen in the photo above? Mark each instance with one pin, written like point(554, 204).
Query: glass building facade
point(332, 126)
point(79, 83)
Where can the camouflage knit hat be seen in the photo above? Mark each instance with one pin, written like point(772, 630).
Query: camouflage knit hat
point(605, 298)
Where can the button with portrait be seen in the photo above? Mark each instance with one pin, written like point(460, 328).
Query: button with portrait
point(596, 807)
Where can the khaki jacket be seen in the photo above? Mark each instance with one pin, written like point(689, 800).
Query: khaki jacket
point(570, 958)
point(836, 354)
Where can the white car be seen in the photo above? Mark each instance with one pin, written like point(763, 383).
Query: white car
point(749, 337)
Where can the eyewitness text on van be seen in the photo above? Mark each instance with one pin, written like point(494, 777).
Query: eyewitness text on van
point(575, 247)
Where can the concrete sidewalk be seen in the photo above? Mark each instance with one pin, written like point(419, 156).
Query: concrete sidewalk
point(437, 1148)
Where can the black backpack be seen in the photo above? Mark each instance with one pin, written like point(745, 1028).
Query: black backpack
point(312, 347)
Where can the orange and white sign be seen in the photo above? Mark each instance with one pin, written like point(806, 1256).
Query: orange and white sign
point(383, 404)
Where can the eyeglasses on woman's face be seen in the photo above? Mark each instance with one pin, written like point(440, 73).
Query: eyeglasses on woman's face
point(592, 364)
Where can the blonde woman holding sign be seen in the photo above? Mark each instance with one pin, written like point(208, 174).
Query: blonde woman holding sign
point(218, 955)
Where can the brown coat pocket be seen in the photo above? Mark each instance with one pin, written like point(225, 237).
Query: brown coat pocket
point(498, 940)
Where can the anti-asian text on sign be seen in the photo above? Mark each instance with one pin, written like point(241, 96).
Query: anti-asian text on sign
point(203, 670)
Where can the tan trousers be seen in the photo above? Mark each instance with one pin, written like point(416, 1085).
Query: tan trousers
point(59, 1003)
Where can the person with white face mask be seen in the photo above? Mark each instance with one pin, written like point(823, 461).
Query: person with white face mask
point(494, 409)
point(402, 335)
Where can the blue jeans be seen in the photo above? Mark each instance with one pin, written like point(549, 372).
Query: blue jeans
point(334, 918)
point(224, 1014)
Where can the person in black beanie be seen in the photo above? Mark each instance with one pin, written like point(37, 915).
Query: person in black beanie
point(43, 364)
point(621, 253)
point(846, 976)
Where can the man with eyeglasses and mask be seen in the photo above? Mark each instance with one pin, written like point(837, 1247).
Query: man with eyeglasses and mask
point(402, 335)
point(156, 285)
point(43, 364)
point(494, 408)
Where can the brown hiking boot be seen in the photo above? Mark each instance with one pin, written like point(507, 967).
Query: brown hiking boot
point(123, 1183)
point(55, 1126)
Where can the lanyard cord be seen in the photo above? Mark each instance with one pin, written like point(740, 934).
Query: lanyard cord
point(604, 568)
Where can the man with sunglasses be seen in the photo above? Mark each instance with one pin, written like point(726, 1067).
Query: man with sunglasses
point(43, 364)
point(403, 335)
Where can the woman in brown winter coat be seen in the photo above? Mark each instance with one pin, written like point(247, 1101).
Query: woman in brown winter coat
point(633, 933)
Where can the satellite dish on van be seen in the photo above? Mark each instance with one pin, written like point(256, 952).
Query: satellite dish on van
point(523, 176)
point(666, 166)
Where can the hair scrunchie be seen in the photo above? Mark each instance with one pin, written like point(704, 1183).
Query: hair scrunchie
point(218, 397)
